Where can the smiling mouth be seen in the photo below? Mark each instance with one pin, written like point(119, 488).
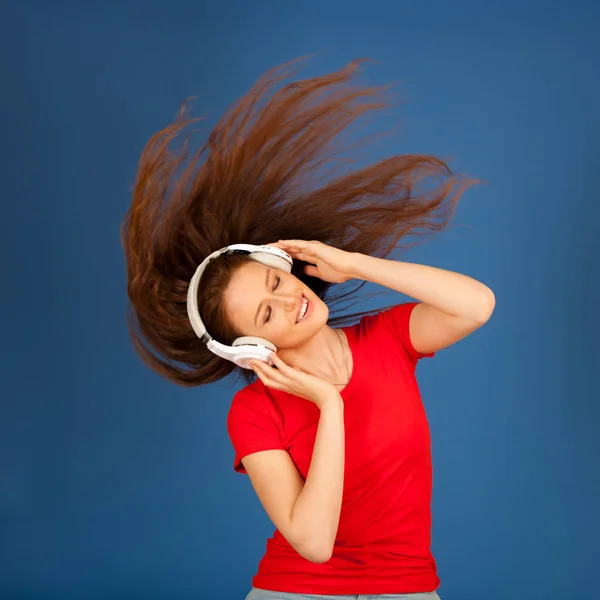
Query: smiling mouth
point(298, 319)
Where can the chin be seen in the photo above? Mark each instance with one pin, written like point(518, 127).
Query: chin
point(319, 318)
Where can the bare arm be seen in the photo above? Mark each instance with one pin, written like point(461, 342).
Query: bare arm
point(452, 305)
point(306, 513)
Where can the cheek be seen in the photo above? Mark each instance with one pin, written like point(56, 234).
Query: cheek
point(283, 334)
point(321, 314)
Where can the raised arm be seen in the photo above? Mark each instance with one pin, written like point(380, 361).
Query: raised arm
point(452, 305)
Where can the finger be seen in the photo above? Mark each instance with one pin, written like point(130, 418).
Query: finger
point(311, 271)
point(301, 255)
point(280, 364)
point(286, 372)
point(268, 372)
point(290, 248)
point(264, 374)
point(258, 374)
point(260, 365)
point(298, 245)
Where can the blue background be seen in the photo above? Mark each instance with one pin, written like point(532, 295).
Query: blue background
point(116, 484)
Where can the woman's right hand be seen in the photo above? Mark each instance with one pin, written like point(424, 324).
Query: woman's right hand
point(294, 381)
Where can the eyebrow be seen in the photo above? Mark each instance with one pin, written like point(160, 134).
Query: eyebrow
point(260, 305)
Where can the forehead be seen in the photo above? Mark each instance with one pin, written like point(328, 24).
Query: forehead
point(246, 288)
point(249, 275)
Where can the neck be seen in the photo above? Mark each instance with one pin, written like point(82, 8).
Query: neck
point(323, 356)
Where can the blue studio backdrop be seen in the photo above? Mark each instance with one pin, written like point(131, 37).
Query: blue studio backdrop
point(116, 484)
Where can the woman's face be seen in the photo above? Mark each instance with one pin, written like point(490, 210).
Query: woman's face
point(265, 302)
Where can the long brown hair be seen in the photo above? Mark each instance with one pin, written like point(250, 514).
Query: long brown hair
point(269, 170)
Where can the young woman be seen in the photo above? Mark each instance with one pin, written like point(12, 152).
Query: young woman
point(330, 427)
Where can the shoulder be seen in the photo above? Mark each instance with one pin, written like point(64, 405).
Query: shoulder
point(253, 402)
point(384, 319)
point(389, 328)
point(254, 424)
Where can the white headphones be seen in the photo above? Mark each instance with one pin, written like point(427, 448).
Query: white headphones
point(244, 348)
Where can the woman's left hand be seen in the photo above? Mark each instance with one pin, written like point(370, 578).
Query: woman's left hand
point(330, 264)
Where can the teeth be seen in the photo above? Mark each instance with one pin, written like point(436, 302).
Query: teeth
point(302, 310)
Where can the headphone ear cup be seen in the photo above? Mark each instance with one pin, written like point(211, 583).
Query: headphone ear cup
point(249, 348)
point(254, 341)
point(270, 260)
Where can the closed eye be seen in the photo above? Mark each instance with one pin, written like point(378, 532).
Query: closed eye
point(269, 310)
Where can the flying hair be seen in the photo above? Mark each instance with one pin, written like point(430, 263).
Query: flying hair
point(272, 168)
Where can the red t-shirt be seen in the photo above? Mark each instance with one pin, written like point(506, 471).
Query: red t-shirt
point(384, 534)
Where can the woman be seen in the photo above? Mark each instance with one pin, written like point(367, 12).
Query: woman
point(330, 427)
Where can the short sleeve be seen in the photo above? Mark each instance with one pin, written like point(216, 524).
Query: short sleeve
point(253, 426)
point(397, 320)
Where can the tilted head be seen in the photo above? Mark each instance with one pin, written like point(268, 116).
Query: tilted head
point(269, 303)
point(242, 297)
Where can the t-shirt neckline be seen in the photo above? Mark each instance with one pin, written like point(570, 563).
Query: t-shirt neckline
point(349, 331)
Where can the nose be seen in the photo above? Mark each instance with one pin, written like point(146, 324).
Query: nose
point(289, 301)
